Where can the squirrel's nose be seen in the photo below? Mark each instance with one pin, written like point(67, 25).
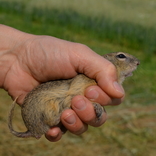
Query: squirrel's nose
point(138, 63)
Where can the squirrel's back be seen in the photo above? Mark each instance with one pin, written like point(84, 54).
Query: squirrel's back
point(43, 106)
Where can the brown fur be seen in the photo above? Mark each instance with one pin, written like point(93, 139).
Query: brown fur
point(43, 106)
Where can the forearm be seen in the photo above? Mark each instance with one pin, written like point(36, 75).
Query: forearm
point(9, 39)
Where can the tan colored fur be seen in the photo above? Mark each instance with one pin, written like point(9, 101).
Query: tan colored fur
point(43, 106)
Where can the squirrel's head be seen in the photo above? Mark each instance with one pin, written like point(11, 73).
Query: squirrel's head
point(124, 63)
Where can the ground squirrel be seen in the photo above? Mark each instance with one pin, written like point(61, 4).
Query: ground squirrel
point(43, 106)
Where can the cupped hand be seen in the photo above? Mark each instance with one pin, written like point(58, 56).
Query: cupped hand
point(38, 59)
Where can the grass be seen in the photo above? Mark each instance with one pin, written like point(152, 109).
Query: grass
point(130, 129)
point(139, 12)
point(124, 33)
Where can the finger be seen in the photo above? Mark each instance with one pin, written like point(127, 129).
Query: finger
point(85, 111)
point(54, 134)
point(71, 121)
point(116, 101)
point(96, 94)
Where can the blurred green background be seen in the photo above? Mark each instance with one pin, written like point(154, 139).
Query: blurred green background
point(105, 26)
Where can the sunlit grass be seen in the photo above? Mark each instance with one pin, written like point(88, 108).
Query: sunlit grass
point(135, 11)
point(129, 131)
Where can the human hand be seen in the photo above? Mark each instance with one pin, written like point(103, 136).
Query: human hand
point(37, 59)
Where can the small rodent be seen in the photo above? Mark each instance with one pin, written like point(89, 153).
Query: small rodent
point(43, 106)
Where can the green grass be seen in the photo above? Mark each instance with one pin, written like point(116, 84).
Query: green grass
point(124, 33)
point(130, 129)
point(134, 11)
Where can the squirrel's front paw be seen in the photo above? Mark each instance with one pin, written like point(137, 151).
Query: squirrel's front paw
point(98, 110)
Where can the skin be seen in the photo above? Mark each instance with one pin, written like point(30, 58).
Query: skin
point(28, 60)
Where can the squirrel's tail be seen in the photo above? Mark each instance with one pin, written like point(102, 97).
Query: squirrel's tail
point(10, 116)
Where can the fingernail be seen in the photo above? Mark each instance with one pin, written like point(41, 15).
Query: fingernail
point(80, 104)
point(118, 87)
point(92, 94)
point(71, 119)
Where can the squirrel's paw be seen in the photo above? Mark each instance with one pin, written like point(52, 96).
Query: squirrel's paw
point(98, 110)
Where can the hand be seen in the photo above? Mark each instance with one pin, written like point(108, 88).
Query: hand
point(36, 59)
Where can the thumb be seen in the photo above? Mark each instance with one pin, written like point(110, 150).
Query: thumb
point(97, 67)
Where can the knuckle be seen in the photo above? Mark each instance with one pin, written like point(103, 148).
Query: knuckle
point(111, 67)
point(111, 70)
point(79, 130)
point(81, 46)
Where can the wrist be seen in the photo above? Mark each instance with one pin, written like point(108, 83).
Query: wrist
point(10, 39)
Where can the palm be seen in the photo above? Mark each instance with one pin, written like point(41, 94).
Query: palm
point(26, 73)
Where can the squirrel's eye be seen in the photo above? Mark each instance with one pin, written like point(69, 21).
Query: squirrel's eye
point(121, 56)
